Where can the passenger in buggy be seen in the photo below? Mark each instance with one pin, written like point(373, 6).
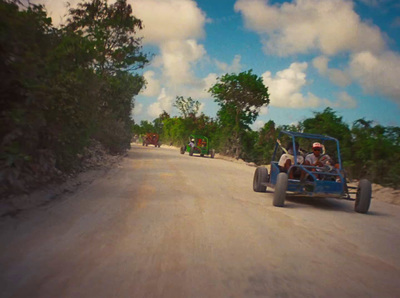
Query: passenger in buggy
point(287, 160)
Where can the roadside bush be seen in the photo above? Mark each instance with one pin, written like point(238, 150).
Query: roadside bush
point(61, 88)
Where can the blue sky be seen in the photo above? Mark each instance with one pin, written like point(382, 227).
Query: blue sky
point(312, 54)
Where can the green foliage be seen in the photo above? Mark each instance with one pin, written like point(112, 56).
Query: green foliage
point(187, 107)
point(240, 97)
point(110, 29)
point(265, 144)
point(177, 130)
point(327, 122)
point(115, 109)
point(376, 152)
point(62, 87)
point(144, 127)
point(368, 151)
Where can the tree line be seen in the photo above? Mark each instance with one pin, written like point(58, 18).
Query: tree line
point(64, 87)
point(368, 150)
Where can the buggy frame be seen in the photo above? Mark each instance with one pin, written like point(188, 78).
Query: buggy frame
point(328, 181)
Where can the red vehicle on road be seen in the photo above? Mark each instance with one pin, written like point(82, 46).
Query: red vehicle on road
point(151, 138)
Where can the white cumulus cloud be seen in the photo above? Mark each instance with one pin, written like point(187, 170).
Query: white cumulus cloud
point(175, 27)
point(178, 57)
point(285, 87)
point(55, 9)
point(164, 103)
point(137, 110)
point(338, 77)
point(200, 89)
point(258, 124)
point(263, 110)
point(377, 73)
point(345, 101)
point(234, 67)
point(321, 63)
point(303, 26)
point(166, 20)
point(153, 86)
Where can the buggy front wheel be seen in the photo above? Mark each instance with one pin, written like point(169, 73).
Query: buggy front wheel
point(280, 190)
point(183, 150)
point(259, 179)
point(363, 197)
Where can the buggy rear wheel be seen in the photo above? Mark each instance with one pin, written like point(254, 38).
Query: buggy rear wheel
point(280, 190)
point(363, 197)
point(212, 153)
point(260, 177)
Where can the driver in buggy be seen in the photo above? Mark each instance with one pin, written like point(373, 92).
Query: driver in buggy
point(203, 143)
point(316, 158)
point(319, 159)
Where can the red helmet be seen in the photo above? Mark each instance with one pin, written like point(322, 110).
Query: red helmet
point(316, 145)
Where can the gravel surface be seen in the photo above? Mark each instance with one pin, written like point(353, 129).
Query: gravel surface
point(162, 224)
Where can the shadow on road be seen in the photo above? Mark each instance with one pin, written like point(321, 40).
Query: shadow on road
point(146, 153)
point(320, 203)
point(329, 204)
point(205, 156)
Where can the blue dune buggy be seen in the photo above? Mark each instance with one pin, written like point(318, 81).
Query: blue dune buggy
point(311, 181)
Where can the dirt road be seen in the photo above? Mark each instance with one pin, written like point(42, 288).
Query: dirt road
point(163, 224)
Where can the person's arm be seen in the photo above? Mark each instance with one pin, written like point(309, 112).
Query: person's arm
point(326, 159)
point(282, 160)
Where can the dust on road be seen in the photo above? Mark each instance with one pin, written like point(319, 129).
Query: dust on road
point(169, 225)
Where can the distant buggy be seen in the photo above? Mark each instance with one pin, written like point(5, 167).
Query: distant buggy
point(313, 181)
point(198, 144)
point(151, 139)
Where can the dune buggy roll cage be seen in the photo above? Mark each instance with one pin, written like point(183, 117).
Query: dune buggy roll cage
point(295, 135)
point(321, 187)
